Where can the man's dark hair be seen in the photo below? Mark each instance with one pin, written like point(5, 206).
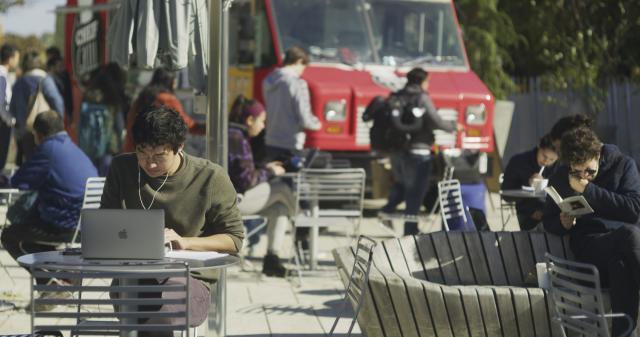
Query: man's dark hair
point(294, 54)
point(417, 76)
point(158, 127)
point(546, 142)
point(53, 61)
point(567, 123)
point(163, 77)
point(6, 52)
point(48, 123)
point(579, 145)
point(31, 60)
point(52, 52)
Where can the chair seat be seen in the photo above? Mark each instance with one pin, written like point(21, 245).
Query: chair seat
point(327, 218)
point(339, 213)
point(322, 222)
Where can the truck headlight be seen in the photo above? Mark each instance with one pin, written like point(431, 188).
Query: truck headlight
point(476, 114)
point(335, 111)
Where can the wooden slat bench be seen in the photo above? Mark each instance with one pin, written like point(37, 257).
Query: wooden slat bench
point(451, 284)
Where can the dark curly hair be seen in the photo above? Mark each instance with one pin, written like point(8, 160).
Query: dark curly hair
point(579, 145)
point(567, 123)
point(160, 126)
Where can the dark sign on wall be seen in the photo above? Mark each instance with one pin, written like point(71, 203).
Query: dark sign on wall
point(86, 47)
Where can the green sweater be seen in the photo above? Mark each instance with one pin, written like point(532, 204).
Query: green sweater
point(198, 200)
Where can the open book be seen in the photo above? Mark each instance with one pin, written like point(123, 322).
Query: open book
point(574, 206)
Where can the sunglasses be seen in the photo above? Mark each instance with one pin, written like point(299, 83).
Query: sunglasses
point(582, 173)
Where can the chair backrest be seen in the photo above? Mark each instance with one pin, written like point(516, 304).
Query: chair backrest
point(450, 198)
point(358, 281)
point(344, 185)
point(92, 195)
point(131, 304)
point(577, 296)
point(93, 192)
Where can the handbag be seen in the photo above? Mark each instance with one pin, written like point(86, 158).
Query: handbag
point(37, 104)
point(18, 212)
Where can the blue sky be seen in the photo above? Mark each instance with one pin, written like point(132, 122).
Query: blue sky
point(34, 17)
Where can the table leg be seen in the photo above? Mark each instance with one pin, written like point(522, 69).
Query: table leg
point(128, 308)
point(313, 246)
point(217, 317)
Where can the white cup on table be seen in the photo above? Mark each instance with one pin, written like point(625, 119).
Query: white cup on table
point(539, 184)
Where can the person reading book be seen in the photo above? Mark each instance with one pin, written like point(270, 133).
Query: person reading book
point(524, 169)
point(608, 238)
point(573, 206)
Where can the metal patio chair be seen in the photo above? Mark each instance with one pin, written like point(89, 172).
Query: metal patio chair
point(454, 213)
point(130, 303)
point(334, 198)
point(92, 195)
point(577, 297)
point(358, 281)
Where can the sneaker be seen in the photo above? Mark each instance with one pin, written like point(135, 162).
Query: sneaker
point(382, 215)
point(49, 295)
point(271, 266)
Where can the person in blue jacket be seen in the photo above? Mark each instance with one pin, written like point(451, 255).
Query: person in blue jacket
point(58, 171)
point(609, 238)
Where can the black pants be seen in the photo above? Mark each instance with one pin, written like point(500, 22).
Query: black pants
point(5, 141)
point(33, 236)
point(616, 254)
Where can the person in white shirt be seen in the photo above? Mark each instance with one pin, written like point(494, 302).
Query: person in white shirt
point(9, 58)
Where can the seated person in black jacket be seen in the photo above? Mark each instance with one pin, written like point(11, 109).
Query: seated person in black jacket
point(609, 238)
point(522, 169)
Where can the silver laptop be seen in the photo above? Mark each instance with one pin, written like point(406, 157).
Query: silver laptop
point(122, 234)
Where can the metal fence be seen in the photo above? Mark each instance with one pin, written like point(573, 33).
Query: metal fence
point(536, 110)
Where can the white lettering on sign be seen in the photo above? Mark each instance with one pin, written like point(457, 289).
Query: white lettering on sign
point(87, 57)
point(86, 34)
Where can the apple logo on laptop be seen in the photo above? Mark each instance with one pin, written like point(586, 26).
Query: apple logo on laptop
point(122, 234)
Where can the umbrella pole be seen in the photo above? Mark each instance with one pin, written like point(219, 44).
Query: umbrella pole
point(217, 120)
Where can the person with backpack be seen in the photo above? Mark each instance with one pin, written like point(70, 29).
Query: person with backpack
point(102, 115)
point(412, 118)
point(25, 92)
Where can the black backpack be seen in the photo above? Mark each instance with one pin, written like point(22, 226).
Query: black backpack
point(395, 119)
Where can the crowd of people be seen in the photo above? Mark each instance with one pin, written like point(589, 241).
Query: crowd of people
point(139, 148)
point(106, 130)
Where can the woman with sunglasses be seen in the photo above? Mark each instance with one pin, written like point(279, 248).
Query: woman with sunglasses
point(609, 238)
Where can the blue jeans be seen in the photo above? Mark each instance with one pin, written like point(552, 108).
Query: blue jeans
point(410, 174)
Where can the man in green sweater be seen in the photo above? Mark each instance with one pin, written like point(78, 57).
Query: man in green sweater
point(197, 196)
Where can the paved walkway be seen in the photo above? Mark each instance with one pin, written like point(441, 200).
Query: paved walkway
point(257, 305)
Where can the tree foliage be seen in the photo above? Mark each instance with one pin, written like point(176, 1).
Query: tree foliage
point(487, 32)
point(577, 44)
point(5, 4)
point(31, 42)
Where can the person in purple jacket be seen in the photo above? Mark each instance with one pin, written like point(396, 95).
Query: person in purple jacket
point(609, 238)
point(262, 194)
point(58, 171)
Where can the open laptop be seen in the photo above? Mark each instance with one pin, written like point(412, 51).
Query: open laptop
point(122, 234)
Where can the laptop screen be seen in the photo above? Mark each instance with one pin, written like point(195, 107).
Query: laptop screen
point(122, 234)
